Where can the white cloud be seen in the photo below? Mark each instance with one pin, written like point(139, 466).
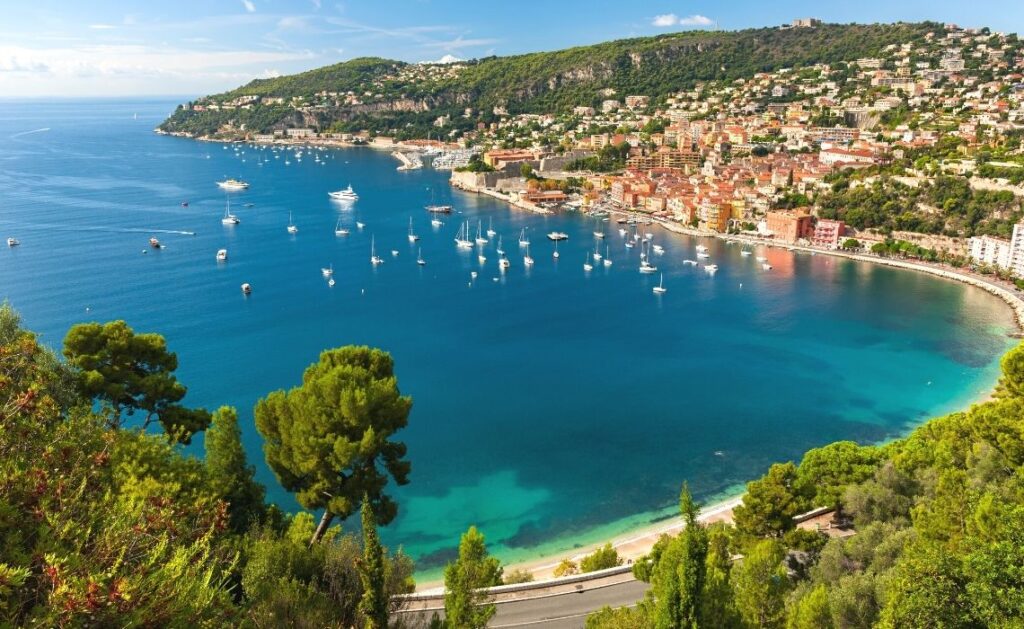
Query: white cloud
point(671, 19)
point(668, 19)
point(696, 20)
point(445, 59)
point(249, 6)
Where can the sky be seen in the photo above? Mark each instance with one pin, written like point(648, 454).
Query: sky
point(96, 48)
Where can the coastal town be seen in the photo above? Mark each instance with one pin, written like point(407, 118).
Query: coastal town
point(789, 156)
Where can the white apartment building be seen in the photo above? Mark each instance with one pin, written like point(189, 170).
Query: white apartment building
point(999, 252)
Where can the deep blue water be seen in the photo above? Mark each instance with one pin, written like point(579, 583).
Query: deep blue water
point(547, 403)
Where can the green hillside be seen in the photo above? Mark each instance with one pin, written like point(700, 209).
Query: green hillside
point(394, 96)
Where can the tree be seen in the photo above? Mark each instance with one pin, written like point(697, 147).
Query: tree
point(328, 439)
point(601, 559)
point(230, 473)
point(474, 569)
point(851, 244)
point(132, 372)
point(526, 170)
point(811, 610)
point(678, 579)
point(770, 503)
point(760, 584)
point(826, 472)
point(374, 602)
point(565, 568)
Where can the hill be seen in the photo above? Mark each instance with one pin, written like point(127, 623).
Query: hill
point(394, 97)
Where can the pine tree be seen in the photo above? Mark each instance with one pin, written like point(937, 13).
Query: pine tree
point(373, 573)
point(230, 473)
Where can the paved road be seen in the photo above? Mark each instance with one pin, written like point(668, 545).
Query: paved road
point(562, 611)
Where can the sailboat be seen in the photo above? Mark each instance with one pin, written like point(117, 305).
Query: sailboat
point(523, 240)
point(229, 218)
point(339, 230)
point(436, 222)
point(480, 240)
point(607, 260)
point(660, 288)
point(597, 254)
point(503, 262)
point(328, 271)
point(490, 228)
point(587, 266)
point(462, 238)
point(419, 257)
point(374, 258)
point(222, 255)
point(500, 251)
point(555, 254)
point(412, 235)
point(292, 229)
point(527, 260)
point(645, 266)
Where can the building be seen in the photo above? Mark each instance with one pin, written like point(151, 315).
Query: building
point(992, 251)
point(827, 233)
point(789, 225)
point(637, 102)
point(715, 216)
point(806, 22)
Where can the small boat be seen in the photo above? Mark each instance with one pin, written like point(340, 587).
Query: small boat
point(629, 245)
point(658, 249)
point(327, 271)
point(12, 242)
point(599, 235)
point(745, 252)
point(647, 267)
point(229, 218)
point(292, 229)
point(710, 268)
point(503, 263)
point(660, 288)
point(490, 228)
point(246, 288)
point(480, 240)
point(374, 258)
point(555, 254)
point(482, 258)
point(523, 240)
point(703, 254)
point(394, 253)
point(339, 230)
point(222, 255)
point(556, 236)
point(436, 222)
point(233, 184)
point(597, 254)
point(184, 204)
point(622, 232)
point(690, 262)
point(153, 242)
point(472, 274)
point(701, 248)
point(419, 257)
point(762, 259)
point(527, 260)
point(412, 235)
point(360, 225)
point(766, 266)
point(439, 209)
point(347, 194)
point(587, 266)
point(330, 282)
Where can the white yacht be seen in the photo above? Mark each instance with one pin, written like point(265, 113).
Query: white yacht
point(523, 240)
point(246, 288)
point(12, 242)
point(360, 225)
point(503, 263)
point(480, 240)
point(462, 238)
point(412, 235)
point(587, 266)
point(703, 254)
point(710, 268)
point(556, 236)
point(599, 235)
point(597, 254)
point(490, 228)
point(439, 209)
point(222, 255)
point(346, 194)
point(766, 266)
point(658, 249)
point(690, 262)
point(292, 229)
point(419, 257)
point(527, 260)
point(701, 248)
point(327, 271)
point(660, 288)
point(233, 184)
point(436, 222)
point(607, 261)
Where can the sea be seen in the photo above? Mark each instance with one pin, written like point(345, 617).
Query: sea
point(552, 406)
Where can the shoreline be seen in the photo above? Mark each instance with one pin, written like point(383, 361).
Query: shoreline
point(635, 543)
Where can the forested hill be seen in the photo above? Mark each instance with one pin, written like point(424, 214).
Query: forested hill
point(392, 96)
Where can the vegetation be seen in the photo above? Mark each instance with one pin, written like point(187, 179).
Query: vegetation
point(102, 524)
point(464, 605)
point(939, 536)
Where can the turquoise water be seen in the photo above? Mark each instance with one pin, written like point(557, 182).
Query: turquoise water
point(550, 406)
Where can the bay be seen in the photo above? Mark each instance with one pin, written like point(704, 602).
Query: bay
point(552, 406)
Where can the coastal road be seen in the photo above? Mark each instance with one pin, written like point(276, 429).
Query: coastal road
point(566, 610)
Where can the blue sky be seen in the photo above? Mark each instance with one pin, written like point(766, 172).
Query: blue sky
point(193, 47)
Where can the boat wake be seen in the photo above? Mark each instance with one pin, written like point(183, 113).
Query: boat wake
point(18, 135)
point(99, 228)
